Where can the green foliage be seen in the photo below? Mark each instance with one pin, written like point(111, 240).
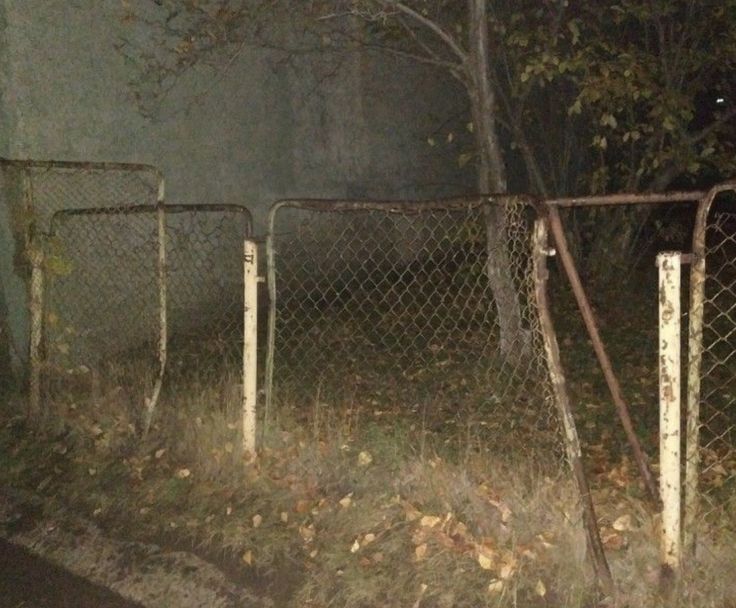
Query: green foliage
point(639, 82)
point(589, 97)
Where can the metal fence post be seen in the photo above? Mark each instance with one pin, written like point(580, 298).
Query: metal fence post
point(669, 265)
point(250, 331)
point(152, 401)
point(562, 401)
point(36, 334)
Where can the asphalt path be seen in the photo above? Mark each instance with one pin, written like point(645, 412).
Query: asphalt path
point(27, 581)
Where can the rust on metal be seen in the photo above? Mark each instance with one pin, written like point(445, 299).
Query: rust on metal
point(462, 203)
point(562, 401)
point(84, 166)
point(695, 357)
point(591, 325)
point(143, 209)
point(626, 199)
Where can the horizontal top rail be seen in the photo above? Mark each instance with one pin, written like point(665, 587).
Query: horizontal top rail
point(401, 206)
point(626, 199)
point(166, 207)
point(82, 166)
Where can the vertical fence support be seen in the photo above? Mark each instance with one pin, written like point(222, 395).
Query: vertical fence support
point(35, 300)
point(163, 338)
point(36, 334)
point(271, 335)
point(669, 265)
point(695, 359)
point(562, 401)
point(250, 337)
point(591, 325)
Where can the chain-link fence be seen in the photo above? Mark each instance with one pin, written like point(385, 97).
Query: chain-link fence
point(102, 288)
point(711, 433)
point(423, 307)
point(434, 309)
point(118, 302)
point(119, 285)
point(33, 191)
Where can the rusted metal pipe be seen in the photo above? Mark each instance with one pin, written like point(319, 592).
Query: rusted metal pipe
point(695, 359)
point(591, 325)
point(562, 401)
point(626, 199)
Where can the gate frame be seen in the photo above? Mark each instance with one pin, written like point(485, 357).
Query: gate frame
point(539, 250)
point(695, 357)
point(161, 210)
point(34, 247)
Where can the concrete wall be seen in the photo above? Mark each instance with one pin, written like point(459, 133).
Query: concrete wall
point(254, 135)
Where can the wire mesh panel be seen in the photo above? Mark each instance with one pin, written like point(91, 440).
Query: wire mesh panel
point(102, 287)
point(104, 294)
point(38, 189)
point(411, 306)
point(33, 191)
point(204, 256)
point(711, 453)
point(55, 186)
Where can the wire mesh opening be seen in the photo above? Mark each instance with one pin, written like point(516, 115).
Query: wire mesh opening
point(103, 302)
point(402, 307)
point(717, 373)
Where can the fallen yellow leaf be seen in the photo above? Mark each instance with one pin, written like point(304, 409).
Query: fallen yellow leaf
point(623, 523)
point(540, 589)
point(507, 570)
point(364, 459)
point(485, 562)
point(307, 532)
point(429, 521)
point(421, 552)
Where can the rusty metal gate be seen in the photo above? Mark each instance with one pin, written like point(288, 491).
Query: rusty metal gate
point(710, 477)
point(419, 306)
point(135, 290)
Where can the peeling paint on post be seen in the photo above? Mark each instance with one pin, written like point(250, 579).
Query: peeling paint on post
point(564, 409)
point(669, 406)
point(250, 330)
point(36, 306)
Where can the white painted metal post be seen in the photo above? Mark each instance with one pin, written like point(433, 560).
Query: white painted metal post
point(250, 327)
point(37, 321)
point(669, 406)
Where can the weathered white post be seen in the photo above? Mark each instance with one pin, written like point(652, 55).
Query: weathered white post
point(36, 305)
point(250, 328)
point(669, 406)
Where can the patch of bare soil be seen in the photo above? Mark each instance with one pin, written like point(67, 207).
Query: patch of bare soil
point(29, 581)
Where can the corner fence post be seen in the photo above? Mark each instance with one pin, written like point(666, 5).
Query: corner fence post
point(669, 265)
point(250, 337)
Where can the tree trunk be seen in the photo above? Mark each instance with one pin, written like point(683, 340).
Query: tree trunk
point(491, 180)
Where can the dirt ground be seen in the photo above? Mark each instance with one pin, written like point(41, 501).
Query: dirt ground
point(27, 581)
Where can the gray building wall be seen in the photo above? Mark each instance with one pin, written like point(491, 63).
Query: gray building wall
point(257, 133)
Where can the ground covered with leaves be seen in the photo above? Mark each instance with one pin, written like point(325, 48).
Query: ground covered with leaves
point(365, 505)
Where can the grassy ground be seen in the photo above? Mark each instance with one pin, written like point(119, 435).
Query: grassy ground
point(363, 505)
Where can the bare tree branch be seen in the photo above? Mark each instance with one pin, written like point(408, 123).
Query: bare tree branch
point(431, 25)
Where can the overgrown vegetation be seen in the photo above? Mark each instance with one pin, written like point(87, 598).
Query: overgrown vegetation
point(364, 505)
